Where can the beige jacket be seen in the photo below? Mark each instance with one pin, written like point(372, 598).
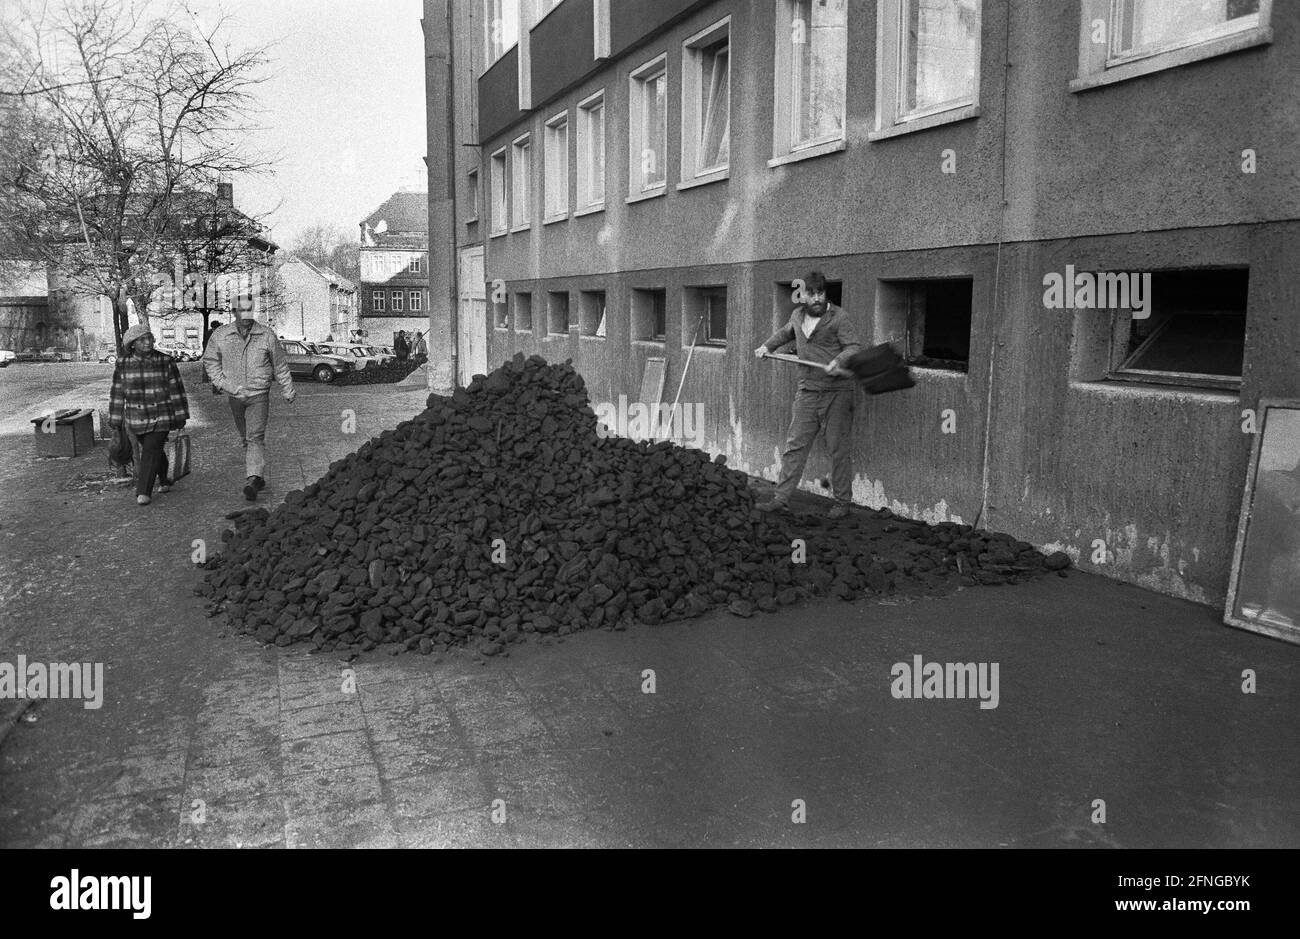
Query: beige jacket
point(233, 362)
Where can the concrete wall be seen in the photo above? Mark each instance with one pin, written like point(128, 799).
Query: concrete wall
point(1144, 174)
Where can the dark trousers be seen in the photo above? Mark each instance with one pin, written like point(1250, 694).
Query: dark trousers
point(827, 412)
point(152, 462)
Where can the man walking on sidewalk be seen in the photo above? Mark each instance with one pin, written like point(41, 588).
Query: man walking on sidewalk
point(822, 332)
point(242, 358)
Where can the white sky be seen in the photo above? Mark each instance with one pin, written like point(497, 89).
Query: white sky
point(344, 106)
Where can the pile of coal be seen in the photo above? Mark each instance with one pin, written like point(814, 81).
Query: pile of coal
point(500, 512)
point(386, 374)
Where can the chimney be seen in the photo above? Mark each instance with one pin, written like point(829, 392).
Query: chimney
point(226, 193)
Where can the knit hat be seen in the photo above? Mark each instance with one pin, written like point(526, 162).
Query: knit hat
point(138, 331)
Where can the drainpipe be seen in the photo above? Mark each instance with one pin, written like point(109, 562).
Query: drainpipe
point(454, 280)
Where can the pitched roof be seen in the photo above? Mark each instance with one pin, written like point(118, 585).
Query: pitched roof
point(325, 273)
point(404, 212)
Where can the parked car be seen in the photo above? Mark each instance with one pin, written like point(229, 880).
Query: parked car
point(306, 358)
point(179, 353)
point(386, 353)
point(108, 354)
point(51, 354)
point(354, 350)
point(7, 356)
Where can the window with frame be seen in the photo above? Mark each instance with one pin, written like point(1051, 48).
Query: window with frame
point(649, 314)
point(497, 179)
point(416, 266)
point(591, 152)
point(474, 196)
point(500, 28)
point(191, 332)
point(705, 310)
point(1126, 38)
point(377, 300)
point(1147, 27)
point(591, 313)
point(557, 167)
point(416, 301)
point(397, 301)
point(557, 312)
point(648, 127)
point(811, 74)
point(706, 102)
point(521, 179)
point(523, 312)
point(929, 56)
point(169, 333)
point(1194, 333)
point(932, 318)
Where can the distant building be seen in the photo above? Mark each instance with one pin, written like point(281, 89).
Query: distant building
point(221, 264)
point(318, 302)
point(394, 289)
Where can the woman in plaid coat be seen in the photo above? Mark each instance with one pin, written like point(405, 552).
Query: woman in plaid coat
point(149, 400)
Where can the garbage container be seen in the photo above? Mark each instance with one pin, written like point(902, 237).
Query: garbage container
point(70, 432)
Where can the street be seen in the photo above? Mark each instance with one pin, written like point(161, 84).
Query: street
point(776, 730)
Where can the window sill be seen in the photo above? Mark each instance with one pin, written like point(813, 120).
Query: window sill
point(807, 153)
point(527, 226)
point(471, 221)
point(589, 210)
point(1248, 39)
point(498, 234)
point(597, 338)
point(963, 113)
point(524, 331)
point(648, 194)
point(716, 176)
point(501, 329)
point(708, 347)
point(650, 342)
point(556, 218)
point(1118, 386)
point(933, 371)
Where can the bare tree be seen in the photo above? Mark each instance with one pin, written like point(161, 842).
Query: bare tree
point(328, 245)
point(122, 121)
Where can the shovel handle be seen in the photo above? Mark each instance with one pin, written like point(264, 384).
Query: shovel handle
point(795, 359)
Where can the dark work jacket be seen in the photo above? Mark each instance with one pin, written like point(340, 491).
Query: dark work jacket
point(834, 338)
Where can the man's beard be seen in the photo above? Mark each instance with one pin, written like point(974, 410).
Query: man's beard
point(817, 309)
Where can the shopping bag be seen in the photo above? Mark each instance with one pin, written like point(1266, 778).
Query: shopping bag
point(178, 450)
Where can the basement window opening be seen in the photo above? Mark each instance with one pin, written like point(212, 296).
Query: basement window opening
point(524, 312)
point(1194, 335)
point(591, 313)
point(557, 303)
point(649, 315)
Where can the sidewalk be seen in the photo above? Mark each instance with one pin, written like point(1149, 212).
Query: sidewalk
point(1106, 692)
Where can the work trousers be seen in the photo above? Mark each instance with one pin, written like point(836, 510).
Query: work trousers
point(251, 415)
point(151, 462)
point(828, 412)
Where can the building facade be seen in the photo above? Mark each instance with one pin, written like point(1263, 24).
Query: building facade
point(319, 303)
point(394, 288)
point(1081, 229)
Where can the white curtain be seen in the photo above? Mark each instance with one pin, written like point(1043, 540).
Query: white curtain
point(715, 143)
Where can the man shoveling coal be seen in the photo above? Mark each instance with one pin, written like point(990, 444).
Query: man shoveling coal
point(824, 334)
